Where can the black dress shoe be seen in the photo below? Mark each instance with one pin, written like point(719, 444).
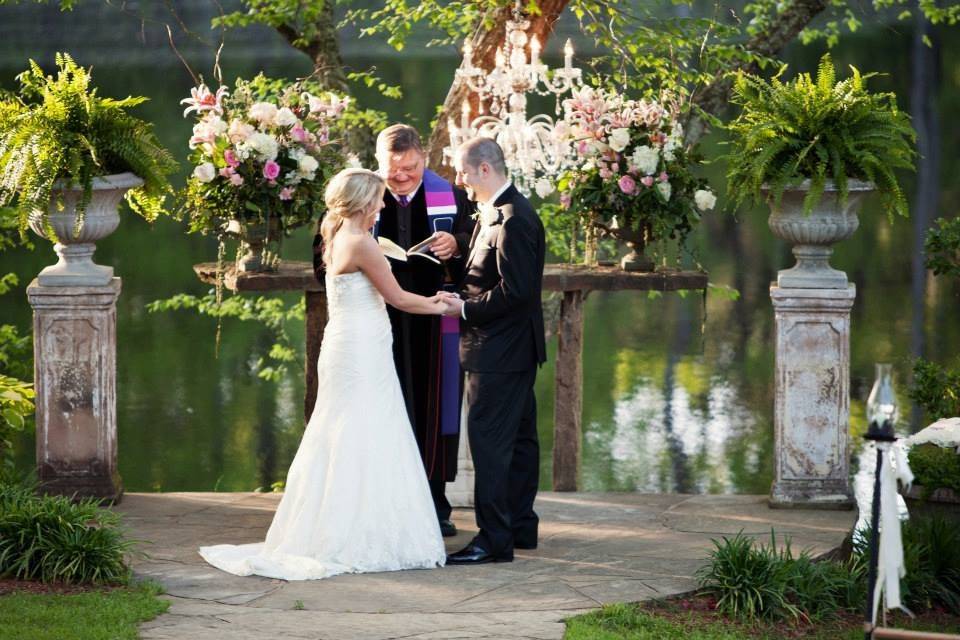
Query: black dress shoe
point(475, 554)
point(447, 529)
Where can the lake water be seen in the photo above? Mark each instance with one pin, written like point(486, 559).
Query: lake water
point(678, 392)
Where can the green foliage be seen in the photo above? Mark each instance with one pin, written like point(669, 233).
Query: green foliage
point(395, 20)
point(942, 247)
point(59, 131)
point(936, 389)
point(16, 408)
point(935, 467)
point(50, 538)
point(269, 312)
point(759, 582)
point(113, 614)
point(819, 130)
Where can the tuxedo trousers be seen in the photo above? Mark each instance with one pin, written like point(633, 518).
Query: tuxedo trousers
point(502, 427)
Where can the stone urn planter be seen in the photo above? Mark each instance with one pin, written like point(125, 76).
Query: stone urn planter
point(74, 246)
point(254, 236)
point(812, 235)
point(636, 241)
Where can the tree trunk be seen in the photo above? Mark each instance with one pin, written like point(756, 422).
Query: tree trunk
point(784, 30)
point(485, 45)
point(324, 50)
point(924, 86)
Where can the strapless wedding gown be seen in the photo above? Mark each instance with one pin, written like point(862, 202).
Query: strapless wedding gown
point(356, 497)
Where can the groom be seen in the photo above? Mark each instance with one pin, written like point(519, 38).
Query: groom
point(501, 346)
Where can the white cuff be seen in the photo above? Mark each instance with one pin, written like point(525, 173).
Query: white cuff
point(463, 311)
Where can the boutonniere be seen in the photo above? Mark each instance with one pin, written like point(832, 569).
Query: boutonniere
point(489, 215)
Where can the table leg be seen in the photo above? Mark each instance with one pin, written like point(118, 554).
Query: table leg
point(316, 320)
point(568, 401)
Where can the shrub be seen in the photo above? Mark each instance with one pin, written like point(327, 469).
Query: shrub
point(759, 582)
point(936, 389)
point(935, 467)
point(51, 538)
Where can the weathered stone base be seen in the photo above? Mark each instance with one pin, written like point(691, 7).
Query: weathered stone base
point(810, 494)
point(811, 398)
point(108, 488)
point(75, 370)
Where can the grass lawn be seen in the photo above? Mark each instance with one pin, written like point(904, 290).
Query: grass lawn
point(102, 614)
point(692, 618)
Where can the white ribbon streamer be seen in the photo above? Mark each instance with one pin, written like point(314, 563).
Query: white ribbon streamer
point(890, 567)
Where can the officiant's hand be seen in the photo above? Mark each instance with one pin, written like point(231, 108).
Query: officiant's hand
point(444, 245)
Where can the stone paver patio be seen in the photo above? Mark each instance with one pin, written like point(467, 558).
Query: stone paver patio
point(595, 549)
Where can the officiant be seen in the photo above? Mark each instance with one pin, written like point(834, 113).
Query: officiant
point(419, 204)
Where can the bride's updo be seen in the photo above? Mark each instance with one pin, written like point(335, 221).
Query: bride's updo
point(352, 192)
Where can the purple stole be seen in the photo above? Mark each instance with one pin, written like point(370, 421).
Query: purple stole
point(441, 214)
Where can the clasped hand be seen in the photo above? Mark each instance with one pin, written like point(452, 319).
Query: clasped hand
point(446, 303)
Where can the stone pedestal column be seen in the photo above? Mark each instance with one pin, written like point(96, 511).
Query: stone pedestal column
point(74, 348)
point(812, 398)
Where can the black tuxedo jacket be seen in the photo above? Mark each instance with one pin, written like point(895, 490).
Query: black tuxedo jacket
point(501, 285)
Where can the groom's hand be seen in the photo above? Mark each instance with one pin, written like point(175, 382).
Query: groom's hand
point(454, 306)
point(444, 246)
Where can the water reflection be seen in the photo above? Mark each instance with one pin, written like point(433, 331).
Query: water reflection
point(667, 406)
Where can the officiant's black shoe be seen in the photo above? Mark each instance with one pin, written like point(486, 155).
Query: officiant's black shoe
point(475, 554)
point(447, 529)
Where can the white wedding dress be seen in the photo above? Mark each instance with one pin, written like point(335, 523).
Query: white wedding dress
point(356, 498)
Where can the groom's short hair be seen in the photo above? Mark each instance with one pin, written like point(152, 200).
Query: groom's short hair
point(477, 150)
point(398, 138)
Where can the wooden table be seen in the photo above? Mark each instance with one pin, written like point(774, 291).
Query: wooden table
point(290, 276)
point(576, 282)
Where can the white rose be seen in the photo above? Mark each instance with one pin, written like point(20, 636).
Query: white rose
point(263, 112)
point(543, 187)
point(264, 145)
point(353, 161)
point(665, 189)
point(205, 172)
point(705, 199)
point(307, 165)
point(645, 159)
point(619, 139)
point(285, 118)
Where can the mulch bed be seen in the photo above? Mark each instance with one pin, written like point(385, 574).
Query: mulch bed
point(700, 610)
point(9, 585)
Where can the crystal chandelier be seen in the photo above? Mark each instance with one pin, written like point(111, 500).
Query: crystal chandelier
point(532, 147)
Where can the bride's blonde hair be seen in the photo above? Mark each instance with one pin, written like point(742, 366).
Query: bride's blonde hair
point(349, 193)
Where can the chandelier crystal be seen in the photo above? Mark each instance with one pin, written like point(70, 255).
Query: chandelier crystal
point(532, 147)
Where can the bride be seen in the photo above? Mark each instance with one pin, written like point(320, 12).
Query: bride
point(356, 497)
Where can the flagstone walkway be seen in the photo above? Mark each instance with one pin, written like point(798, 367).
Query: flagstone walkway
point(594, 549)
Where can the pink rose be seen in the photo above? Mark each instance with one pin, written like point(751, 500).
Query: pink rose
point(627, 185)
point(605, 173)
point(226, 172)
point(663, 176)
point(298, 133)
point(565, 200)
point(236, 179)
point(231, 158)
point(271, 170)
point(647, 181)
point(615, 167)
point(286, 193)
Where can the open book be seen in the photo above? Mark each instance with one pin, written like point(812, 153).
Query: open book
point(422, 249)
